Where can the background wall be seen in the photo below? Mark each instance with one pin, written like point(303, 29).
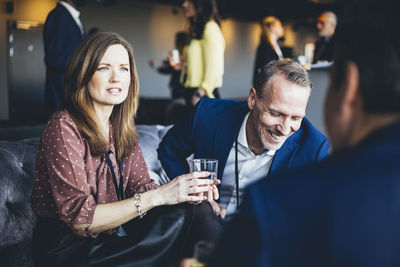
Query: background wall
point(30, 10)
point(150, 28)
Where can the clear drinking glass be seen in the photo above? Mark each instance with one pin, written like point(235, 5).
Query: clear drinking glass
point(203, 251)
point(210, 165)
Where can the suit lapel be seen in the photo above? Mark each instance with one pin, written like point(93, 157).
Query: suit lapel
point(76, 26)
point(284, 157)
point(226, 134)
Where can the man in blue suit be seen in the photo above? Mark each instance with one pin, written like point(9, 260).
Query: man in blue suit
point(62, 33)
point(251, 140)
point(344, 211)
point(266, 135)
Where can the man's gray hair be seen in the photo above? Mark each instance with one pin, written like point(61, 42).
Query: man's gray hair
point(290, 70)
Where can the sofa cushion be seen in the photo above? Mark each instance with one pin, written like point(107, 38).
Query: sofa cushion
point(149, 138)
point(17, 163)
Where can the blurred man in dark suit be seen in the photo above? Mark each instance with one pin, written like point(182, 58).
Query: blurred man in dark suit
point(62, 33)
point(326, 25)
point(344, 211)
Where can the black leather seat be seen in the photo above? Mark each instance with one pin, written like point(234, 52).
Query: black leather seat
point(17, 164)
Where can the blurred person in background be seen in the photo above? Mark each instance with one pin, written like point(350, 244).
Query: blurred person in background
point(62, 33)
point(268, 49)
point(203, 61)
point(171, 66)
point(326, 25)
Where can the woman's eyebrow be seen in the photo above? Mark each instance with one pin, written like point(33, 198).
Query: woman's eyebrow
point(109, 64)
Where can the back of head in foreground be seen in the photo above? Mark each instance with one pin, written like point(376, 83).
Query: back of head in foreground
point(368, 36)
point(344, 211)
point(366, 74)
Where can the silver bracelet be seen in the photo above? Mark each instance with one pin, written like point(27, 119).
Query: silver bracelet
point(138, 201)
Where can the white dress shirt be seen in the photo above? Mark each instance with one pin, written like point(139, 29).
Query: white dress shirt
point(75, 15)
point(277, 49)
point(251, 168)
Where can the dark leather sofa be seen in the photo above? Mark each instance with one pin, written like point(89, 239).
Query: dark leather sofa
point(17, 165)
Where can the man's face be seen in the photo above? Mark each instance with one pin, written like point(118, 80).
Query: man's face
point(325, 26)
point(277, 114)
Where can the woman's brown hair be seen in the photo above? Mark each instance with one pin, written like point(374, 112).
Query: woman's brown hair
point(206, 10)
point(81, 67)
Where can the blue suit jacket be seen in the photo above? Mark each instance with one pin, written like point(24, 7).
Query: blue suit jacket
point(211, 129)
point(61, 35)
point(344, 211)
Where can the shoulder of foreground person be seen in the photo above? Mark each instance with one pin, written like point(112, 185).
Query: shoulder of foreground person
point(311, 139)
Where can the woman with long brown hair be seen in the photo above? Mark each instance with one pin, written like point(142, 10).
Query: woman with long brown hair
point(90, 174)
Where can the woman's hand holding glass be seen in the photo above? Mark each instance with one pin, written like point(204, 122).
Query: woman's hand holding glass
point(189, 187)
point(212, 194)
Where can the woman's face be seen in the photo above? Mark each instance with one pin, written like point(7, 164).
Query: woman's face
point(278, 29)
point(109, 85)
point(275, 26)
point(189, 9)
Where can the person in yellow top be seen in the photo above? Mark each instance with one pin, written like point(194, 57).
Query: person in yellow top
point(203, 61)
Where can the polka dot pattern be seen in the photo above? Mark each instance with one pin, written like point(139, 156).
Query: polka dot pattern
point(69, 181)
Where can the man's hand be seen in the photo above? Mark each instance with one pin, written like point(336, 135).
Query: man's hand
point(218, 209)
point(197, 95)
point(173, 64)
point(210, 194)
point(151, 63)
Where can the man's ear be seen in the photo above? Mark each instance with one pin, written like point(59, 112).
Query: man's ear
point(351, 87)
point(251, 100)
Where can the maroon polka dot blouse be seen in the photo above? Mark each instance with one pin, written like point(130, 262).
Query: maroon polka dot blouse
point(69, 182)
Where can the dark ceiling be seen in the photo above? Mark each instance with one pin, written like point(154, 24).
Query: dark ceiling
point(301, 11)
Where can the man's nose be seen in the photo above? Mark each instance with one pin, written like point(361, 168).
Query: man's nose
point(284, 126)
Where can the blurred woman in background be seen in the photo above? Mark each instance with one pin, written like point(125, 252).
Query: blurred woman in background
point(268, 49)
point(170, 66)
point(203, 62)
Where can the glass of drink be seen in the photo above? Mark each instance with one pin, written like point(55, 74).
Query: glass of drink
point(175, 56)
point(203, 251)
point(210, 165)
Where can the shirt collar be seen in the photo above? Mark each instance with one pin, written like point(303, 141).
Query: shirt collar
point(242, 138)
point(74, 13)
